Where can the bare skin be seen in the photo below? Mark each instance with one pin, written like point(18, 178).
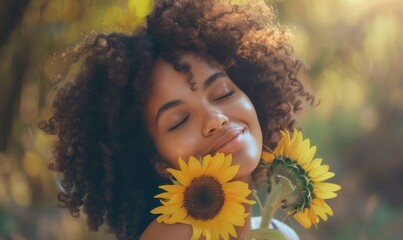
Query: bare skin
point(215, 116)
point(183, 232)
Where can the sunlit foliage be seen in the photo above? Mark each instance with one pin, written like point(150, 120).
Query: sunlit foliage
point(353, 49)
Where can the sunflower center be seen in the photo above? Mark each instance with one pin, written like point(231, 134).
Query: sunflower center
point(204, 198)
point(293, 171)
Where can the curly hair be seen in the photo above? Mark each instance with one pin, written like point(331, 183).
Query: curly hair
point(103, 150)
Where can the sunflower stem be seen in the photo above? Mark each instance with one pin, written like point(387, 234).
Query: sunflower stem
point(256, 196)
point(282, 193)
point(271, 205)
point(270, 234)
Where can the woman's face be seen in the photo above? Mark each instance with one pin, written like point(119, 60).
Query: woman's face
point(216, 116)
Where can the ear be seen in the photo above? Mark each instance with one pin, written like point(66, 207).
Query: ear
point(161, 166)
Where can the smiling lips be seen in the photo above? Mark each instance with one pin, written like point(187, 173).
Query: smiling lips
point(229, 142)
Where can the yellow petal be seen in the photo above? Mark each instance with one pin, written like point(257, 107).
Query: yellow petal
point(228, 174)
point(196, 233)
point(235, 207)
point(206, 162)
point(206, 233)
point(173, 188)
point(283, 145)
point(314, 164)
point(194, 163)
point(165, 195)
point(300, 150)
point(306, 157)
point(328, 209)
point(226, 225)
point(324, 186)
point(320, 212)
point(318, 171)
point(158, 210)
point(311, 214)
point(237, 198)
point(321, 208)
point(322, 177)
point(179, 215)
point(267, 157)
point(295, 143)
point(323, 205)
point(224, 235)
point(215, 235)
point(165, 209)
point(302, 219)
point(179, 176)
point(323, 194)
point(318, 202)
point(231, 210)
point(183, 166)
point(215, 164)
point(175, 200)
point(237, 187)
point(161, 218)
point(227, 161)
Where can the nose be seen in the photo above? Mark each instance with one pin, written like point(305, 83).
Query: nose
point(215, 123)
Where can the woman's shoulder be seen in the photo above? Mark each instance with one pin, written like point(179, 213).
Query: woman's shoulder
point(162, 231)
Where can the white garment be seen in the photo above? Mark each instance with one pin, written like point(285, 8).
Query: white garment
point(288, 232)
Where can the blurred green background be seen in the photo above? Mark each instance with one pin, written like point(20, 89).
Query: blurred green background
point(354, 50)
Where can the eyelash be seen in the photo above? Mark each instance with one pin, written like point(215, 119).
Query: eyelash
point(179, 123)
point(225, 96)
point(188, 116)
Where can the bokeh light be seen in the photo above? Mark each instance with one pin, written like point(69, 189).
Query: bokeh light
point(352, 49)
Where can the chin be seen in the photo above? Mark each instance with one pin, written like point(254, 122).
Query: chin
point(247, 160)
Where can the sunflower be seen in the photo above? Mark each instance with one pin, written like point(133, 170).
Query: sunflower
point(293, 159)
point(204, 197)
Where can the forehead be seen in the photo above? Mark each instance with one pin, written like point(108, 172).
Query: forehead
point(168, 84)
point(165, 78)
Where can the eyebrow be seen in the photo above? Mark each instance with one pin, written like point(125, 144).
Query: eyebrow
point(213, 78)
point(210, 80)
point(167, 106)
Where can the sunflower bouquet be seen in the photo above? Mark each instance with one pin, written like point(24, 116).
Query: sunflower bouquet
point(204, 195)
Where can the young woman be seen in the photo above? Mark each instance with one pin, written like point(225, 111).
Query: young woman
point(202, 77)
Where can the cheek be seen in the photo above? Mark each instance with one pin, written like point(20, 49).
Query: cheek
point(247, 111)
point(250, 156)
point(247, 105)
point(174, 147)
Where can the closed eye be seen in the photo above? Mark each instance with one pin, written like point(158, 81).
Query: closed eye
point(225, 96)
point(179, 123)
